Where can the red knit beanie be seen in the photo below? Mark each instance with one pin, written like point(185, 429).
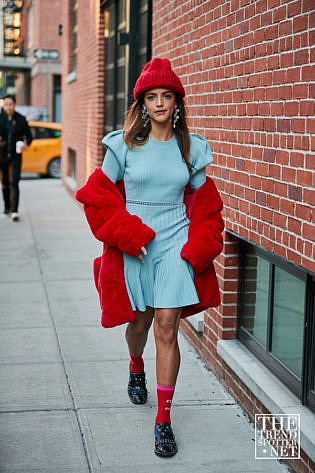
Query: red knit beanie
point(158, 73)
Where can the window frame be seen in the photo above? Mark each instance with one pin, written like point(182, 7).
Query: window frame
point(127, 37)
point(309, 369)
point(52, 133)
point(12, 31)
point(135, 11)
point(73, 37)
point(301, 387)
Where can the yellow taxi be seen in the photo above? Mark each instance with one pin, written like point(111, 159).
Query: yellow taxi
point(44, 153)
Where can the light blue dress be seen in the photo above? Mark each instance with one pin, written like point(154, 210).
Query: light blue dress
point(155, 176)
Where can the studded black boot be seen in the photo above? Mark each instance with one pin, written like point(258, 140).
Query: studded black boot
point(165, 444)
point(137, 390)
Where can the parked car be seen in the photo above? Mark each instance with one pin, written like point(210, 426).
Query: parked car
point(33, 112)
point(43, 155)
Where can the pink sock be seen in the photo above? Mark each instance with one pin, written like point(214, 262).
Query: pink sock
point(136, 363)
point(164, 396)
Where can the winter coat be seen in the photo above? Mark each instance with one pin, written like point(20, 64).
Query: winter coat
point(20, 131)
point(111, 223)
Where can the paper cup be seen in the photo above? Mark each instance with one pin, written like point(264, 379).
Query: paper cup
point(19, 146)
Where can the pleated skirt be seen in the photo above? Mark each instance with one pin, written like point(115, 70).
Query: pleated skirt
point(164, 280)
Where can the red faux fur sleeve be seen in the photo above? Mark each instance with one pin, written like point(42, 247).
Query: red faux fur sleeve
point(205, 240)
point(108, 218)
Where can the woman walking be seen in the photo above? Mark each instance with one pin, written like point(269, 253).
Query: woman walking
point(161, 238)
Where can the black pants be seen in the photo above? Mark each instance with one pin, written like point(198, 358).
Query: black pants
point(10, 177)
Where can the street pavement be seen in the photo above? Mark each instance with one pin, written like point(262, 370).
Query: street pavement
point(63, 401)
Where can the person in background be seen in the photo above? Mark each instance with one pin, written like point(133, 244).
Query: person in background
point(15, 137)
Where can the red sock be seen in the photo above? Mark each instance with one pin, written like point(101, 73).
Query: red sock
point(136, 364)
point(165, 396)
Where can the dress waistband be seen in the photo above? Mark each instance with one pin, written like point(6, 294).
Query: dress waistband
point(159, 204)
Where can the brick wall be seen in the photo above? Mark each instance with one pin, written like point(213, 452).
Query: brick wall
point(83, 98)
point(39, 89)
point(247, 67)
point(46, 16)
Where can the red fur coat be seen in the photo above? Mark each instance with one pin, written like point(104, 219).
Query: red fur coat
point(111, 223)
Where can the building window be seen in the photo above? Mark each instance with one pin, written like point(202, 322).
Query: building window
point(73, 28)
point(276, 318)
point(57, 98)
point(255, 297)
point(288, 320)
point(12, 20)
point(115, 27)
point(72, 164)
point(140, 37)
point(127, 36)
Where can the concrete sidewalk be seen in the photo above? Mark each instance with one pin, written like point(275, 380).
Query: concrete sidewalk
point(63, 401)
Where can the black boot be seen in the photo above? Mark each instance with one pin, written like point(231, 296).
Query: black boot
point(137, 390)
point(165, 444)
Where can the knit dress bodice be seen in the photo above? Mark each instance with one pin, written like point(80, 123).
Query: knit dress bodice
point(155, 176)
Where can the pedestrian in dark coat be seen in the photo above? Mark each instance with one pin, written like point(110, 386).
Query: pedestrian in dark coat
point(15, 137)
point(160, 233)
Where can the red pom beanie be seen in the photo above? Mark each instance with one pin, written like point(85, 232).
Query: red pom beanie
point(158, 73)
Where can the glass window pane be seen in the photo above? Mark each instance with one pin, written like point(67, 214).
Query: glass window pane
point(118, 69)
point(288, 320)
point(109, 81)
point(122, 11)
point(121, 52)
point(73, 6)
point(121, 79)
point(143, 30)
point(142, 59)
point(109, 113)
point(255, 297)
point(120, 112)
point(42, 133)
point(143, 4)
point(12, 38)
point(110, 49)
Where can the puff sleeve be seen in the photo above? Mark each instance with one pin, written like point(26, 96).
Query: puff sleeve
point(200, 157)
point(115, 157)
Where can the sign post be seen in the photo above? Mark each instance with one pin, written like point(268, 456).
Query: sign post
point(47, 55)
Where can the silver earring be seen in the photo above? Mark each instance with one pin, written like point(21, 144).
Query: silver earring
point(145, 116)
point(176, 115)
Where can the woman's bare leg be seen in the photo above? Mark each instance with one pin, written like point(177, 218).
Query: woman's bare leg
point(166, 325)
point(137, 332)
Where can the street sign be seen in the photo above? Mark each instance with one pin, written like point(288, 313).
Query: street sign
point(46, 53)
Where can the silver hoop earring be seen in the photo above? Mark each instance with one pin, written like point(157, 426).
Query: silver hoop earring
point(176, 115)
point(145, 116)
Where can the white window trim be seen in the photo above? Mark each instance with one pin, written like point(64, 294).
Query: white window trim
point(268, 389)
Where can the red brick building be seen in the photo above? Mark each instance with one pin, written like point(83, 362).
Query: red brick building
point(30, 62)
point(101, 59)
point(14, 69)
point(248, 70)
point(83, 86)
point(44, 34)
